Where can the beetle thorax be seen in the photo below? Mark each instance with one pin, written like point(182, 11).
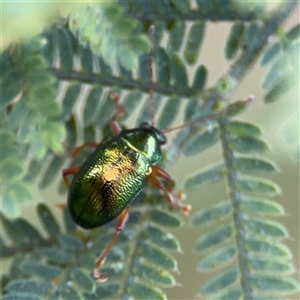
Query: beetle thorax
point(144, 141)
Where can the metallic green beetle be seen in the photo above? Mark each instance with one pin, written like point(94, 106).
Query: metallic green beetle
point(112, 176)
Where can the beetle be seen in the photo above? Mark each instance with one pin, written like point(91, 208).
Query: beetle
point(113, 175)
point(116, 172)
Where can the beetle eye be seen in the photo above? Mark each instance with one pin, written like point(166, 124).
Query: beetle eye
point(163, 139)
point(144, 125)
point(159, 135)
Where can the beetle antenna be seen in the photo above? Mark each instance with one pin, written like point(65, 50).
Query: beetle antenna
point(151, 34)
point(232, 107)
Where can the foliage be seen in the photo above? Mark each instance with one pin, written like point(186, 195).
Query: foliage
point(56, 93)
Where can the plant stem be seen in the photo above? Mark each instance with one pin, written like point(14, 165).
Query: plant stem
point(235, 197)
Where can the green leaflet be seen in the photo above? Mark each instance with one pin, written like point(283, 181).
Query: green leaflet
point(271, 53)
point(86, 59)
point(177, 32)
point(202, 142)
point(125, 73)
point(64, 47)
point(144, 68)
point(105, 69)
point(21, 190)
point(48, 220)
point(35, 287)
point(265, 227)
point(262, 247)
point(277, 70)
point(262, 206)
point(68, 292)
point(142, 291)
point(272, 283)
point(57, 255)
point(200, 79)
point(181, 6)
point(160, 277)
point(41, 270)
point(269, 298)
point(68, 221)
point(214, 237)
point(294, 32)
point(92, 104)
point(28, 230)
point(258, 186)
point(220, 281)
point(213, 214)
point(52, 133)
point(83, 280)
point(234, 39)
point(130, 102)
point(163, 71)
point(285, 83)
point(144, 114)
point(53, 171)
point(104, 112)
point(162, 238)
point(209, 175)
point(21, 296)
point(254, 165)
point(194, 42)
point(271, 265)
point(71, 132)
point(251, 34)
point(169, 112)
point(206, 6)
point(106, 291)
point(13, 230)
point(232, 293)
point(165, 219)
point(248, 145)
point(217, 258)
point(158, 257)
point(70, 243)
point(241, 128)
point(179, 72)
point(69, 100)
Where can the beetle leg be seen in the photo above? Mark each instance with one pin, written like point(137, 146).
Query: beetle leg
point(61, 205)
point(169, 196)
point(78, 149)
point(122, 220)
point(70, 171)
point(66, 173)
point(159, 172)
point(115, 126)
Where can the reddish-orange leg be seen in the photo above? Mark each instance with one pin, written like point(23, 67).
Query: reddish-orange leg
point(115, 126)
point(73, 170)
point(123, 217)
point(159, 172)
point(122, 220)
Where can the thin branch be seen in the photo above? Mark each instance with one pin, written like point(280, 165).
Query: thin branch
point(235, 197)
point(119, 82)
point(228, 16)
point(250, 54)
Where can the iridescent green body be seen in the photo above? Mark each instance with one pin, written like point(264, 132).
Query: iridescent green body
point(113, 175)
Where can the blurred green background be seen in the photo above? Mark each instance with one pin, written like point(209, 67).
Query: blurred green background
point(270, 117)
